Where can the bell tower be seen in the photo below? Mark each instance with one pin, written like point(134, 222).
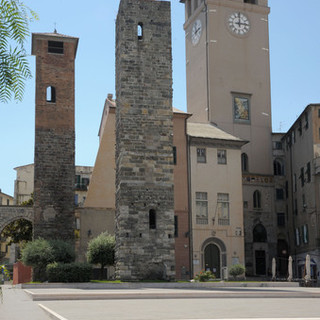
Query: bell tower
point(228, 85)
point(144, 142)
point(228, 72)
point(54, 135)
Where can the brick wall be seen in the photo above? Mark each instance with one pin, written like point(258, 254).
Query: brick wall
point(54, 139)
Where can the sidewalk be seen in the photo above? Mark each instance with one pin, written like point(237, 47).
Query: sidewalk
point(140, 303)
point(17, 305)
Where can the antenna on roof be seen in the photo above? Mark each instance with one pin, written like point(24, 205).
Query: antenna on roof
point(55, 27)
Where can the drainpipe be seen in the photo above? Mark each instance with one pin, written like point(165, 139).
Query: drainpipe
point(293, 212)
point(189, 203)
point(207, 60)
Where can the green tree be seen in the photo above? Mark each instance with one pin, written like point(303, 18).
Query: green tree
point(28, 203)
point(18, 231)
point(63, 251)
point(14, 30)
point(38, 254)
point(101, 251)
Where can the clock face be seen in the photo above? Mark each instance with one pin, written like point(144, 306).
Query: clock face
point(196, 32)
point(238, 23)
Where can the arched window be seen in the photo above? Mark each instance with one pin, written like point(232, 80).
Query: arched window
point(278, 168)
point(51, 94)
point(259, 233)
point(244, 162)
point(152, 219)
point(140, 30)
point(257, 199)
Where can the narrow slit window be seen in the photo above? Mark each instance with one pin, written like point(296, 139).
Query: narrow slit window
point(244, 162)
point(257, 200)
point(174, 150)
point(152, 219)
point(176, 226)
point(51, 94)
point(140, 31)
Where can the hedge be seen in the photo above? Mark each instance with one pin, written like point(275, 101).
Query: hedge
point(69, 272)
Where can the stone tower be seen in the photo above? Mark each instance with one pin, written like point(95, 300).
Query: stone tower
point(54, 135)
point(144, 157)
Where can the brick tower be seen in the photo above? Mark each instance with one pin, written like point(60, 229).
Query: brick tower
point(144, 173)
point(54, 136)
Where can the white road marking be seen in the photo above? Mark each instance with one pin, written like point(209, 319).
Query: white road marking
point(51, 313)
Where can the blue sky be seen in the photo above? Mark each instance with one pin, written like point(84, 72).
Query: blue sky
point(294, 56)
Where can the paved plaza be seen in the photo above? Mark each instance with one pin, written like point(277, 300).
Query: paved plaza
point(160, 303)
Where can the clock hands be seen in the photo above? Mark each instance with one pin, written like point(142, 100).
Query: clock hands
point(241, 23)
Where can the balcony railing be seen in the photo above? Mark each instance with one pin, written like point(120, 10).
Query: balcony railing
point(224, 222)
point(200, 220)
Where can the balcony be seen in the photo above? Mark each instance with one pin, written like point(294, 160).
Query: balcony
point(224, 222)
point(202, 220)
point(81, 187)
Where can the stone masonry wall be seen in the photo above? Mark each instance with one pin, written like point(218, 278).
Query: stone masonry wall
point(9, 214)
point(144, 172)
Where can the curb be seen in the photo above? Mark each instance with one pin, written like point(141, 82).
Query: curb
point(137, 295)
point(155, 285)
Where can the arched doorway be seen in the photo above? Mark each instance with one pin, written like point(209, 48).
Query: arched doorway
point(214, 256)
point(212, 259)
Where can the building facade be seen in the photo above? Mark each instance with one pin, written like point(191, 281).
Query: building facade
point(216, 199)
point(281, 211)
point(301, 147)
point(24, 184)
point(228, 85)
point(5, 199)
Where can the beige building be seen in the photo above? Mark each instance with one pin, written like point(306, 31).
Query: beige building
point(98, 214)
point(216, 197)
point(302, 155)
point(228, 85)
point(5, 199)
point(24, 183)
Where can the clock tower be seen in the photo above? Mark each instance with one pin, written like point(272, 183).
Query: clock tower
point(228, 85)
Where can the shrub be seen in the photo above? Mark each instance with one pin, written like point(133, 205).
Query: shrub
point(39, 253)
point(69, 272)
point(237, 270)
point(62, 251)
point(101, 251)
point(204, 276)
